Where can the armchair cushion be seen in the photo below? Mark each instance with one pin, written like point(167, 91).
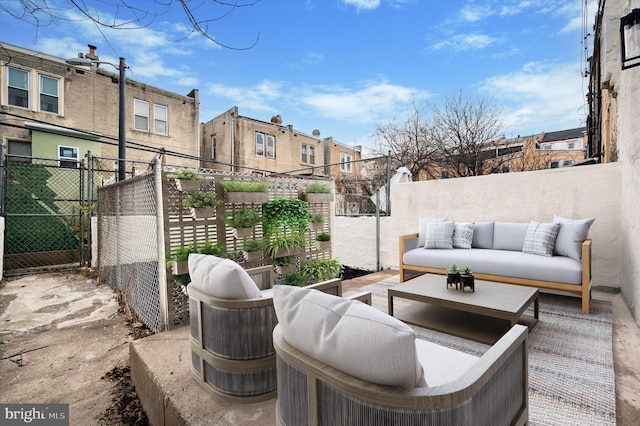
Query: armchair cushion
point(222, 278)
point(348, 335)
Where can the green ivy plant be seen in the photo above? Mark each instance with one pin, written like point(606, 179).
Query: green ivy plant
point(201, 199)
point(318, 188)
point(243, 186)
point(317, 270)
point(285, 215)
point(186, 174)
point(243, 218)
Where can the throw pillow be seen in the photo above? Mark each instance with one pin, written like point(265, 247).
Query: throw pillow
point(423, 223)
point(439, 235)
point(509, 235)
point(540, 238)
point(348, 335)
point(462, 235)
point(571, 235)
point(221, 278)
point(482, 235)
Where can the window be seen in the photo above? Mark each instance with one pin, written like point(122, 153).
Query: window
point(271, 146)
point(546, 146)
point(571, 145)
point(68, 156)
point(18, 88)
point(160, 119)
point(345, 162)
point(554, 165)
point(312, 155)
point(444, 174)
point(213, 147)
point(303, 154)
point(21, 148)
point(260, 144)
point(269, 150)
point(49, 94)
point(567, 163)
point(141, 115)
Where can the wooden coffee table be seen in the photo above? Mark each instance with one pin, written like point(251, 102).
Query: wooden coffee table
point(483, 315)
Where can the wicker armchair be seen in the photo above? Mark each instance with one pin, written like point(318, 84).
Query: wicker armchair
point(493, 392)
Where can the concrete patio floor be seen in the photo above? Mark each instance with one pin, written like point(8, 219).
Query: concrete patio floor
point(83, 337)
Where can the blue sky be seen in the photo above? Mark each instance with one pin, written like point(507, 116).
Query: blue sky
point(343, 66)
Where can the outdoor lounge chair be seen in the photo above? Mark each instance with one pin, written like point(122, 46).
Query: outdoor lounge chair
point(373, 379)
point(232, 318)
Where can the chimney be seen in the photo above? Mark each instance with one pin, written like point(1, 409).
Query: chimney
point(92, 53)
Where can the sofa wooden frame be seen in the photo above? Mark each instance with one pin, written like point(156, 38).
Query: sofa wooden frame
point(493, 392)
point(582, 290)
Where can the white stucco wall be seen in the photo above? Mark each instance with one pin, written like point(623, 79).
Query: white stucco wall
point(574, 192)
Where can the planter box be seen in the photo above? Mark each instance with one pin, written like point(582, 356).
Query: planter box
point(252, 256)
point(316, 198)
point(243, 232)
point(317, 227)
point(324, 245)
point(246, 197)
point(291, 252)
point(180, 268)
point(188, 185)
point(287, 269)
point(203, 213)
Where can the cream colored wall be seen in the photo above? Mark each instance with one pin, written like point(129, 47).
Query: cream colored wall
point(586, 191)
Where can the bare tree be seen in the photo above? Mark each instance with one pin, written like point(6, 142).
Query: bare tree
point(459, 130)
point(409, 142)
point(129, 14)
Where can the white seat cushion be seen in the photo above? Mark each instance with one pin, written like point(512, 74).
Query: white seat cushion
point(222, 278)
point(442, 365)
point(348, 335)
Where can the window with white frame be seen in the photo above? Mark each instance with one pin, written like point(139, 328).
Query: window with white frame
point(49, 94)
point(68, 156)
point(213, 147)
point(312, 155)
point(303, 153)
point(571, 145)
point(345, 162)
point(567, 163)
point(141, 115)
point(265, 145)
point(18, 87)
point(271, 147)
point(160, 118)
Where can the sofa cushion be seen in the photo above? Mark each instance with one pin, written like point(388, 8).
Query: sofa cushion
point(540, 238)
point(442, 365)
point(439, 235)
point(507, 263)
point(348, 335)
point(462, 235)
point(482, 235)
point(221, 278)
point(571, 235)
point(423, 223)
point(509, 235)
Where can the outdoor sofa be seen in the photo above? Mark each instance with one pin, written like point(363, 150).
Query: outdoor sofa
point(340, 362)
point(553, 256)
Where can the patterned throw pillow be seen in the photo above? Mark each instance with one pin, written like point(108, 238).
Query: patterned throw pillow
point(462, 235)
point(439, 235)
point(541, 238)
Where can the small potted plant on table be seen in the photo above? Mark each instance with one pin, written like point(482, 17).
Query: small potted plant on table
point(453, 276)
point(467, 279)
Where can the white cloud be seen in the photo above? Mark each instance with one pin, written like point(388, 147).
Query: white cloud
point(539, 97)
point(363, 4)
point(474, 13)
point(463, 42)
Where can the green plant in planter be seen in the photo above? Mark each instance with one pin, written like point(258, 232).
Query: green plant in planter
point(201, 199)
point(466, 271)
point(285, 215)
point(207, 247)
point(285, 261)
point(186, 174)
point(243, 186)
point(453, 275)
point(253, 245)
point(317, 270)
point(323, 237)
point(243, 218)
point(293, 278)
point(316, 218)
point(318, 188)
point(283, 242)
point(181, 254)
